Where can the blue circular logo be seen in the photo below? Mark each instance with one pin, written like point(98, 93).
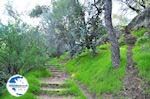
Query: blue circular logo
point(17, 85)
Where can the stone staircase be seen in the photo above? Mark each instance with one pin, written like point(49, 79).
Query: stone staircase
point(55, 87)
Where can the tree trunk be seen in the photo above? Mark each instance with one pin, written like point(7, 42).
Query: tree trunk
point(115, 51)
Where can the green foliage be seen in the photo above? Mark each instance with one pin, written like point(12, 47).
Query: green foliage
point(21, 51)
point(97, 72)
point(26, 96)
point(139, 32)
point(74, 89)
point(103, 47)
point(141, 54)
point(62, 59)
point(36, 12)
point(33, 78)
point(142, 58)
point(144, 40)
point(60, 8)
point(67, 26)
point(121, 40)
point(34, 84)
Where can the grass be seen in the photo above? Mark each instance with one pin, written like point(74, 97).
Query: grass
point(142, 58)
point(141, 54)
point(34, 85)
point(74, 89)
point(57, 60)
point(139, 32)
point(97, 72)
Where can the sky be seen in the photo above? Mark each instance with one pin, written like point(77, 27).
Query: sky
point(117, 9)
point(25, 6)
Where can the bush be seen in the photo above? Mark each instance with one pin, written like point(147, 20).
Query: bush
point(20, 51)
point(144, 39)
point(139, 32)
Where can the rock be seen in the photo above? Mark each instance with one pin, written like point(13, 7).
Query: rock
point(141, 20)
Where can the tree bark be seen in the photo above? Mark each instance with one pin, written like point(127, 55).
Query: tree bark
point(115, 51)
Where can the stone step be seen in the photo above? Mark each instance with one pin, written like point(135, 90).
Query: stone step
point(55, 97)
point(53, 89)
point(54, 81)
point(55, 85)
point(59, 75)
point(56, 92)
point(55, 70)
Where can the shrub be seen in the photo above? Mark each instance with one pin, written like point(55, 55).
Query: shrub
point(20, 51)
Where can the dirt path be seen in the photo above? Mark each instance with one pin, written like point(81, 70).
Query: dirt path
point(133, 84)
point(55, 86)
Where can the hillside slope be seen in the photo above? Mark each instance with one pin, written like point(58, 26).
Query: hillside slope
point(98, 74)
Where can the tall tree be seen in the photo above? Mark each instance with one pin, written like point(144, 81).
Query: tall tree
point(68, 22)
point(115, 51)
